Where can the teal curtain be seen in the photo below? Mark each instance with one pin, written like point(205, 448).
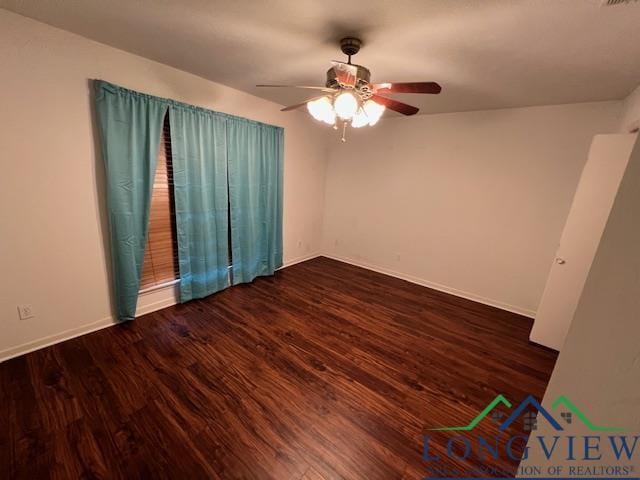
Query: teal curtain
point(130, 124)
point(199, 148)
point(255, 157)
point(227, 175)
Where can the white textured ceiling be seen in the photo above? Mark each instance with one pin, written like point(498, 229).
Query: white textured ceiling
point(485, 53)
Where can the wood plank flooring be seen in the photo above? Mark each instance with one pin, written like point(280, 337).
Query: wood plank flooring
point(324, 371)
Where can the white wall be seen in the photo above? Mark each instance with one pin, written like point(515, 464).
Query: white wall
point(599, 365)
point(51, 195)
point(471, 203)
point(631, 112)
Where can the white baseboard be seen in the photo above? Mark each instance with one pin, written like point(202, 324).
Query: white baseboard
point(55, 338)
point(304, 258)
point(442, 288)
point(149, 301)
point(173, 299)
point(166, 296)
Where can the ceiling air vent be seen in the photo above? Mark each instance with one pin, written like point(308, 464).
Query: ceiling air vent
point(612, 3)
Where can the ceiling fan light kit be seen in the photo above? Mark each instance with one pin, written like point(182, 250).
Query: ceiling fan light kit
point(349, 96)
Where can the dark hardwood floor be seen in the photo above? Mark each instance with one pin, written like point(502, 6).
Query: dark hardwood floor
point(324, 371)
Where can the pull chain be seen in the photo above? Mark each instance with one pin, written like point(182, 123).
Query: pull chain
point(344, 132)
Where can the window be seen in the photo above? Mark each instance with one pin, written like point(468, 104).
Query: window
point(530, 421)
point(160, 255)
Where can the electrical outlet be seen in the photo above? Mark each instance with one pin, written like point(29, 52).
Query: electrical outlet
point(25, 312)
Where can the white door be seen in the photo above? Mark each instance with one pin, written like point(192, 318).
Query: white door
point(588, 215)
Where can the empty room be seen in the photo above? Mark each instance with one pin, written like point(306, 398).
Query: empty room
point(298, 240)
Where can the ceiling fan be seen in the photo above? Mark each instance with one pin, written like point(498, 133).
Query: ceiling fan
point(350, 97)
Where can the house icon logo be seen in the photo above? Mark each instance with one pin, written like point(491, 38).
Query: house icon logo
point(527, 410)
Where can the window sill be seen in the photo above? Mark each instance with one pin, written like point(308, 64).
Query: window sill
point(161, 286)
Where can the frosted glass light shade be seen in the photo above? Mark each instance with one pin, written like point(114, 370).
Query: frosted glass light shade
point(322, 110)
point(360, 119)
point(345, 105)
point(373, 111)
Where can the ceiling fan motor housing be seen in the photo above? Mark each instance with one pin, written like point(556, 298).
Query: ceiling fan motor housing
point(363, 77)
point(350, 46)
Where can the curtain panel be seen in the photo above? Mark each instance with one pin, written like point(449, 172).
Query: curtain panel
point(199, 146)
point(130, 125)
point(255, 194)
point(228, 174)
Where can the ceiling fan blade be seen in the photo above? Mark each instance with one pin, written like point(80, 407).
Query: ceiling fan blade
point(302, 104)
point(407, 87)
point(394, 105)
point(307, 87)
point(346, 73)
